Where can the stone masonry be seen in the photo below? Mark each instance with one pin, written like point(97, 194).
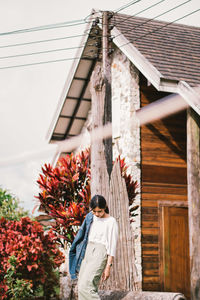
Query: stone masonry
point(126, 131)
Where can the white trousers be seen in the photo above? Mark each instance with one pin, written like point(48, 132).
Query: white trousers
point(91, 270)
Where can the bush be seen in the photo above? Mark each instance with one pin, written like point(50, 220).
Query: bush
point(131, 187)
point(9, 207)
point(17, 288)
point(29, 257)
point(65, 193)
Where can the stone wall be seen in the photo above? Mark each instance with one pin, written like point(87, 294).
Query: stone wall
point(126, 131)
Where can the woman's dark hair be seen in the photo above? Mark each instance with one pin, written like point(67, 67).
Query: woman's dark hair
point(99, 201)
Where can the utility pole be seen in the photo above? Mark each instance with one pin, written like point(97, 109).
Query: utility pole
point(101, 151)
point(106, 60)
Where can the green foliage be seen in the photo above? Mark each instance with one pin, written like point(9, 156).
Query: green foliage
point(18, 289)
point(22, 289)
point(9, 207)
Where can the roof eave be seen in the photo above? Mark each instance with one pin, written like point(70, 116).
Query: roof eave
point(189, 94)
point(70, 77)
point(141, 63)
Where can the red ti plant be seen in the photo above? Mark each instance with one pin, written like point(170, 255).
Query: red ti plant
point(131, 186)
point(65, 193)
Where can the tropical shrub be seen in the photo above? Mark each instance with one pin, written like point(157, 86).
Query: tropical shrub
point(65, 192)
point(132, 187)
point(9, 206)
point(29, 258)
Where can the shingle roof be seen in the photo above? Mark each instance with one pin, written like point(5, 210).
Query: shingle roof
point(173, 49)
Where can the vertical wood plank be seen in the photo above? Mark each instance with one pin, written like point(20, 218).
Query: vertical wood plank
point(193, 161)
point(124, 274)
point(106, 62)
point(100, 178)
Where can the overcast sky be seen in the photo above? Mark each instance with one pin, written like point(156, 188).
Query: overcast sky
point(29, 94)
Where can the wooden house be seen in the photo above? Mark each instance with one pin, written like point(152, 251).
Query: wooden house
point(150, 60)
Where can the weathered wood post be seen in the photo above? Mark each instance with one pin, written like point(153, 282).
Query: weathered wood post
point(101, 152)
point(107, 114)
point(193, 169)
point(100, 178)
point(108, 182)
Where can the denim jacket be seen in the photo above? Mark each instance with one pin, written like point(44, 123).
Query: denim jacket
point(78, 247)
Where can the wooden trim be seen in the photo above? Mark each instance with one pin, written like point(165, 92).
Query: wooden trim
point(145, 67)
point(172, 203)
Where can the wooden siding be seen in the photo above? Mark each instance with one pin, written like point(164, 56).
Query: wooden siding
point(164, 178)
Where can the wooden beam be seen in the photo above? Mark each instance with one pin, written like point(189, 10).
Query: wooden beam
point(101, 151)
point(193, 171)
point(79, 100)
point(99, 175)
point(107, 118)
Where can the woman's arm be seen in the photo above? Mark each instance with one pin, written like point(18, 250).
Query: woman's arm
point(106, 272)
point(112, 243)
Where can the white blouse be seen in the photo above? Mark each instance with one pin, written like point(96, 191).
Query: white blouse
point(104, 231)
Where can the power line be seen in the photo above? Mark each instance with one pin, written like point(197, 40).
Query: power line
point(149, 20)
point(155, 30)
point(86, 56)
point(67, 59)
point(45, 27)
point(43, 41)
point(40, 52)
point(58, 25)
point(72, 36)
point(49, 51)
point(141, 11)
point(78, 35)
point(38, 63)
point(127, 5)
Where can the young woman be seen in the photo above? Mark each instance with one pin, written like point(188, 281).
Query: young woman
point(91, 254)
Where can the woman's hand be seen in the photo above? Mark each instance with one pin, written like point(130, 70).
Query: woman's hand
point(106, 273)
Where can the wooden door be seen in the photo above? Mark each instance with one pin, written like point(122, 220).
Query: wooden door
point(175, 270)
